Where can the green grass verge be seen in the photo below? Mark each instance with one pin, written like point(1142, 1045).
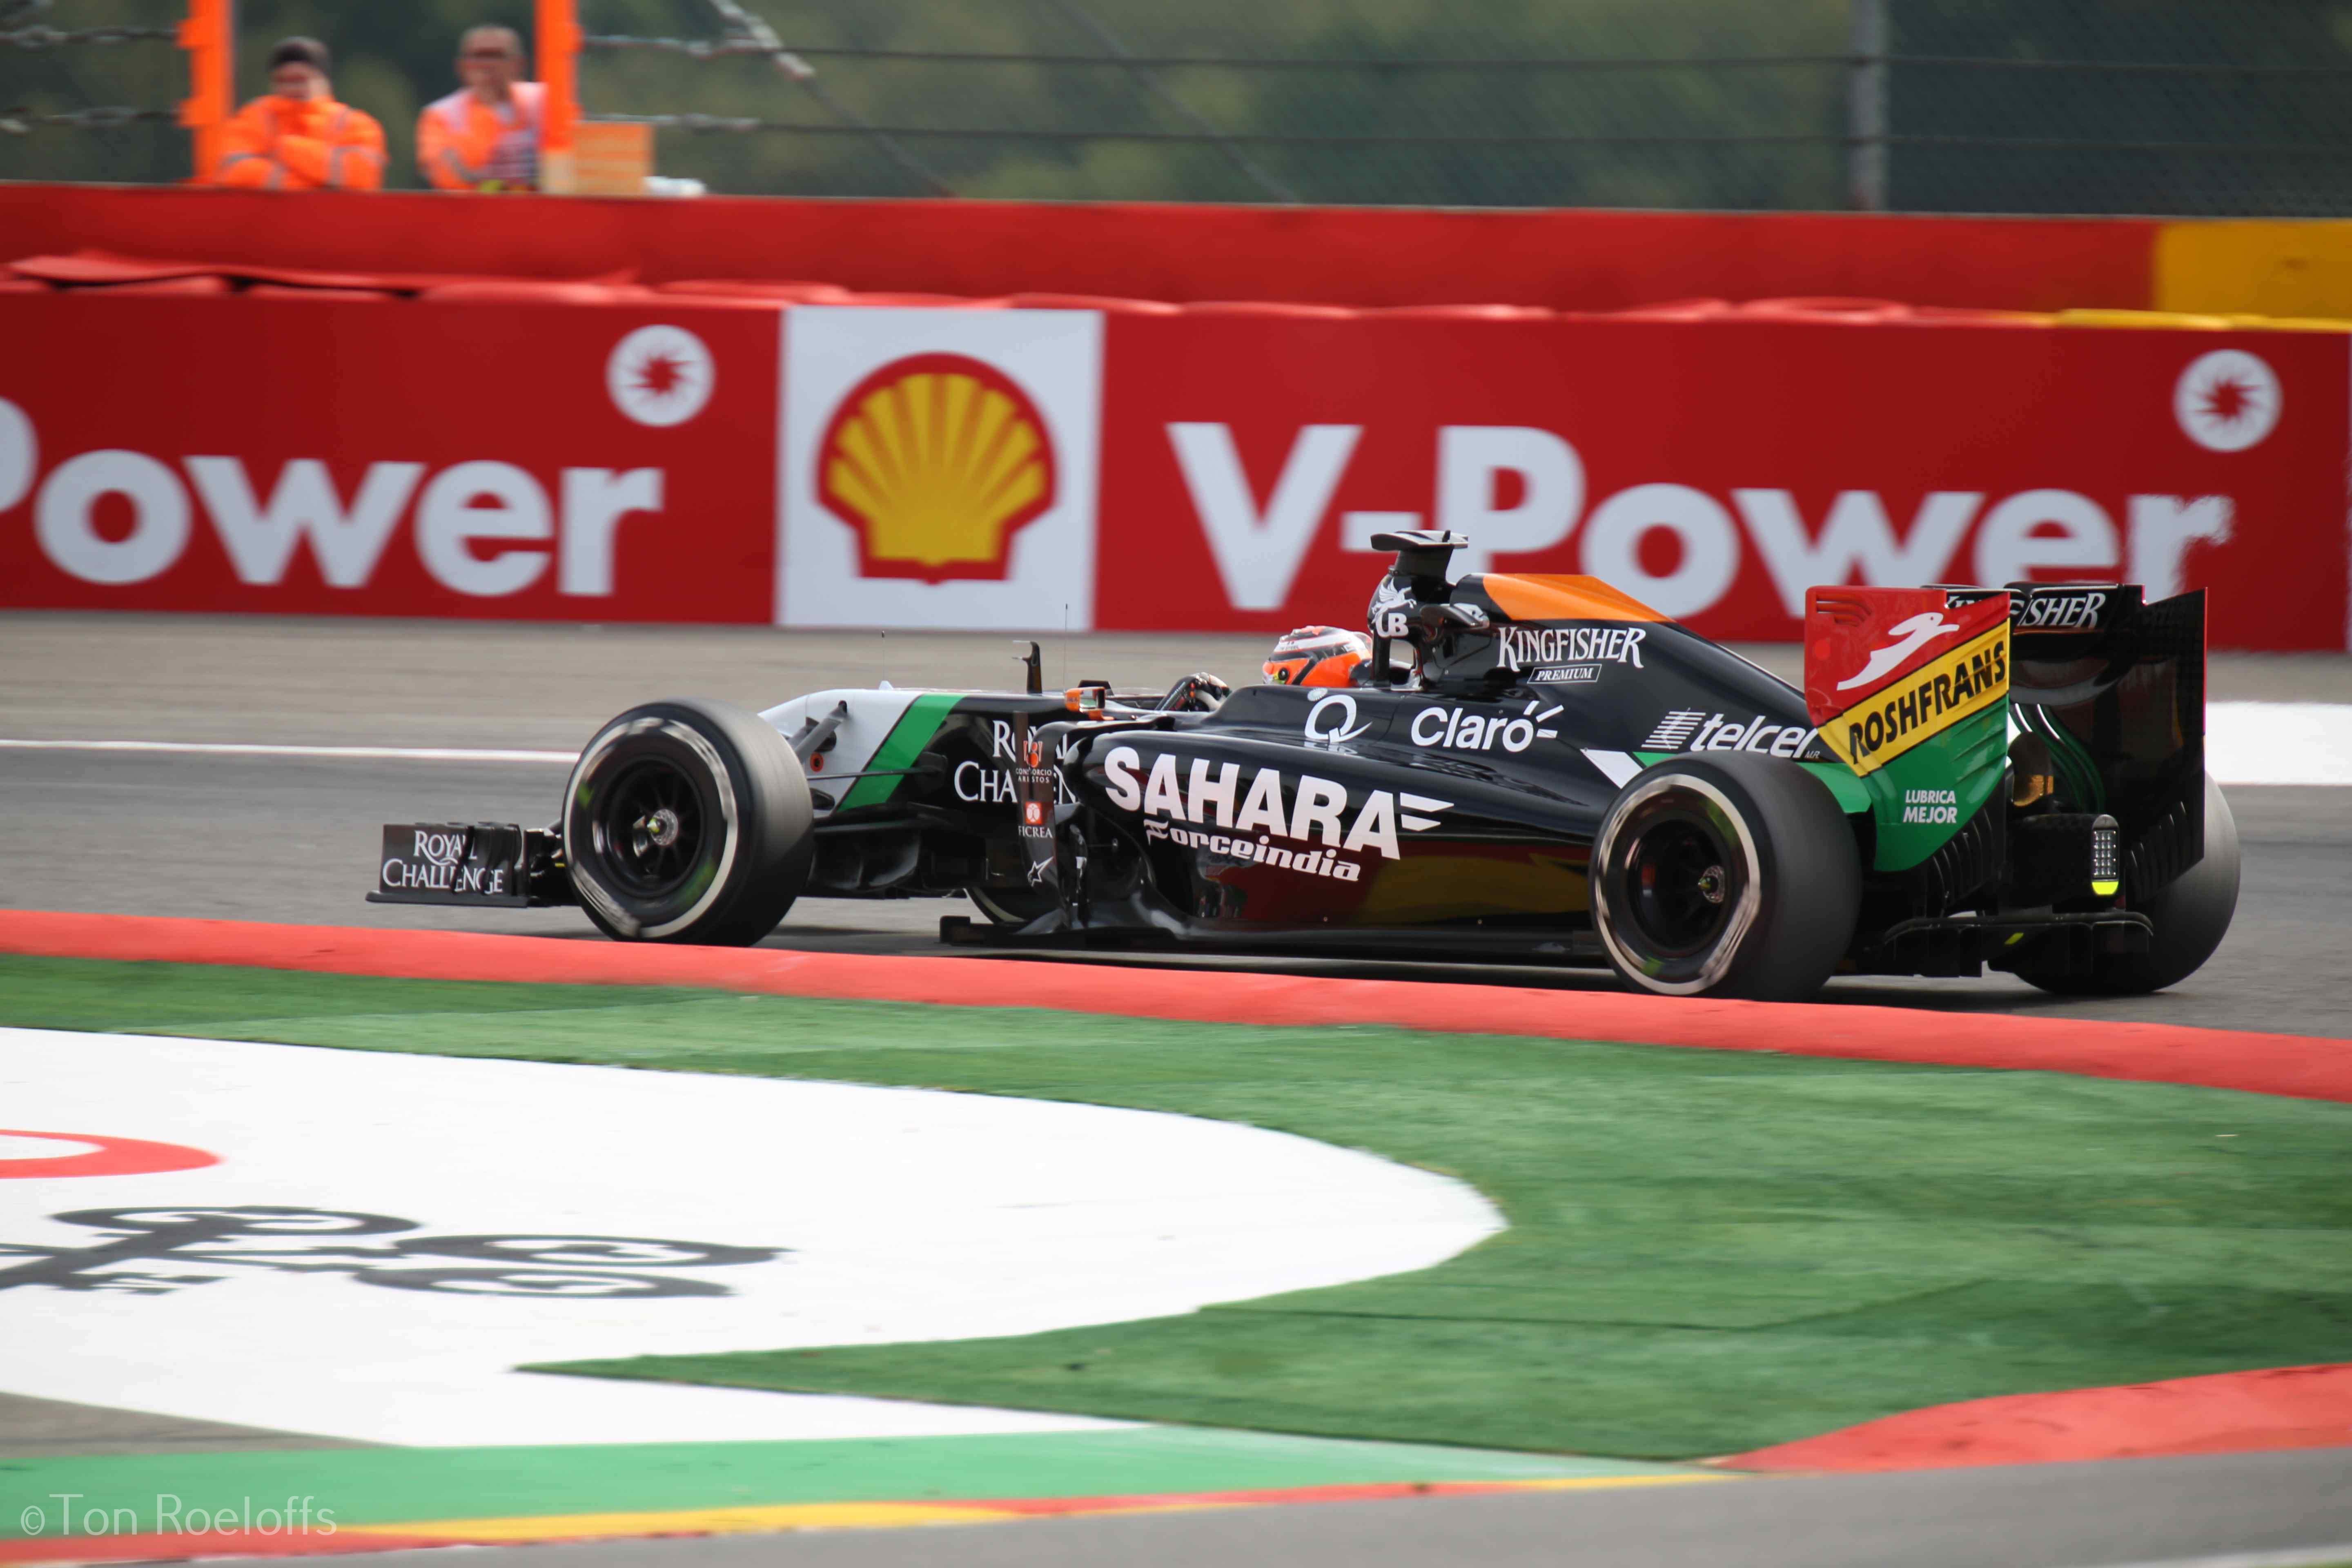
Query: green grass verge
point(1709, 1252)
point(392, 1485)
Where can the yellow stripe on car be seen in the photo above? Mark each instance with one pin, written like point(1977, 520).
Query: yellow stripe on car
point(1938, 695)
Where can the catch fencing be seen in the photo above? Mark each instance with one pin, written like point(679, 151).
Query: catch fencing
point(2192, 107)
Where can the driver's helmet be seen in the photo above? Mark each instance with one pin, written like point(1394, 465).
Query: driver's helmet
point(1318, 656)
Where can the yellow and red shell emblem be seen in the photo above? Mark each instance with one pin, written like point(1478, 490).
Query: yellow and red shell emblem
point(937, 461)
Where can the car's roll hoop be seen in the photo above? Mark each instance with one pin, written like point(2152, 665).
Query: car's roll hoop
point(1410, 602)
point(1423, 554)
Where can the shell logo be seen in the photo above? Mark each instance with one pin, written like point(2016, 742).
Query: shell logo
point(937, 461)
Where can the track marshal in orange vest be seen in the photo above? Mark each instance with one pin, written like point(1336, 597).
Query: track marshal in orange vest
point(485, 136)
point(297, 138)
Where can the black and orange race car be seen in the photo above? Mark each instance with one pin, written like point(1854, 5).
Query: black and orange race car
point(1532, 768)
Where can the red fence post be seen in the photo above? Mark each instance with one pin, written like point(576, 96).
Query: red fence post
point(559, 67)
point(209, 34)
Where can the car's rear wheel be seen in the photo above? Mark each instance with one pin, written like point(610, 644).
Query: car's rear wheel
point(1725, 876)
point(2191, 914)
point(687, 821)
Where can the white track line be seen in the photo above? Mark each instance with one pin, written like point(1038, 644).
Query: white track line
point(2306, 1557)
point(2245, 743)
point(355, 753)
point(2279, 743)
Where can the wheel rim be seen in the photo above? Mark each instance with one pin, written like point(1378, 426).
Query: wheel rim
point(650, 828)
point(1678, 879)
point(1675, 885)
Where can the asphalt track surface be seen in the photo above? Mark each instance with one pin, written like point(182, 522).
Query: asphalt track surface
point(293, 838)
point(2132, 1511)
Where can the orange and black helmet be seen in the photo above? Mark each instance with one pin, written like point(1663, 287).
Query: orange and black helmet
point(1317, 656)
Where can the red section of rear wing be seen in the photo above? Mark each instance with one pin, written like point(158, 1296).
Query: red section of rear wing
point(1859, 641)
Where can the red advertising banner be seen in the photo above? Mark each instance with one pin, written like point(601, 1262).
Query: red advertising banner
point(1197, 471)
point(1717, 470)
point(455, 460)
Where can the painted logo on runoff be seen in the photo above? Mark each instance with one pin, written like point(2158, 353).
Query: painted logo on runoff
point(938, 461)
point(29, 1156)
point(383, 1239)
point(295, 1240)
point(660, 376)
point(938, 468)
point(2227, 401)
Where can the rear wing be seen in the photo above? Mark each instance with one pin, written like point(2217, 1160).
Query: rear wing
point(2115, 686)
point(1909, 689)
point(2110, 688)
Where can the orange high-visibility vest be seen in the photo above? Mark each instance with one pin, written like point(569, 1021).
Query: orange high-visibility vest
point(275, 144)
point(464, 144)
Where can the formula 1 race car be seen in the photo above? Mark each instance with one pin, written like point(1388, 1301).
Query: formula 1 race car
point(1531, 768)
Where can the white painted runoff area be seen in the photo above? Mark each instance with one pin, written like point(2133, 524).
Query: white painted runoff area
point(899, 1215)
point(2279, 743)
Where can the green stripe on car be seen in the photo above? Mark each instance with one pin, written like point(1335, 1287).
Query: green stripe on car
point(899, 748)
point(1852, 795)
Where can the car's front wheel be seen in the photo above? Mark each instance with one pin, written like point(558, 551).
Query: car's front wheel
point(1725, 876)
point(687, 821)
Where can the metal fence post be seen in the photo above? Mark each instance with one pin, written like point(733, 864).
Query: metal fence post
point(1866, 106)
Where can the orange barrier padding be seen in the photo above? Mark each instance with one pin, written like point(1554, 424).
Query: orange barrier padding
point(782, 293)
point(2289, 1065)
point(1564, 259)
point(1833, 306)
point(1860, 312)
point(2165, 319)
point(194, 284)
point(887, 299)
point(1103, 302)
point(90, 268)
point(1461, 313)
point(1674, 311)
point(2228, 1413)
point(288, 291)
point(95, 268)
point(538, 291)
point(1285, 307)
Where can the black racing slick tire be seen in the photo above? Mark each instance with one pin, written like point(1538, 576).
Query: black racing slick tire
point(687, 821)
point(2191, 914)
point(1722, 876)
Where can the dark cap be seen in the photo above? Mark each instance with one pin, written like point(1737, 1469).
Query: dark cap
point(301, 52)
